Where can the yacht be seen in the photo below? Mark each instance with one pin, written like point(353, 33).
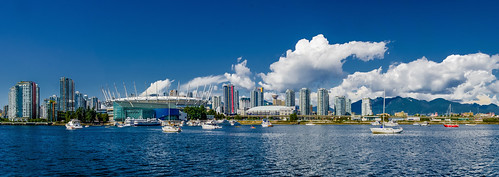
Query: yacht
point(383, 129)
point(171, 129)
point(210, 126)
point(425, 123)
point(234, 123)
point(128, 122)
point(375, 123)
point(147, 122)
point(266, 123)
point(224, 122)
point(73, 124)
point(391, 123)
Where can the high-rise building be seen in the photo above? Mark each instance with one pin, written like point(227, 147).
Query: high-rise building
point(51, 108)
point(290, 97)
point(342, 105)
point(257, 97)
point(366, 107)
point(67, 94)
point(339, 105)
point(216, 103)
point(244, 103)
point(93, 103)
point(322, 102)
point(80, 101)
point(348, 106)
point(6, 111)
point(24, 101)
point(230, 99)
point(305, 101)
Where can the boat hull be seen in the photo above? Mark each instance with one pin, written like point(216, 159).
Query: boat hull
point(451, 125)
point(170, 129)
point(386, 130)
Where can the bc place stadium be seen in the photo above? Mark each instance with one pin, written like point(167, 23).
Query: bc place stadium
point(164, 107)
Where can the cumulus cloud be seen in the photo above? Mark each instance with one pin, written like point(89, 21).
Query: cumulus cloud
point(464, 78)
point(242, 76)
point(316, 61)
point(157, 87)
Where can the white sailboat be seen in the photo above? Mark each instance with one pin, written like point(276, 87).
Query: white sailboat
point(383, 129)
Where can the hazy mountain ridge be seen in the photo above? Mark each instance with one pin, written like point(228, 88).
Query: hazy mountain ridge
point(414, 106)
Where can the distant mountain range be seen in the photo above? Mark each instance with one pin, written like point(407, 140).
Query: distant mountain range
point(414, 106)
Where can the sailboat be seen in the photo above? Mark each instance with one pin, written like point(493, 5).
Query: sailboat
point(383, 129)
point(450, 124)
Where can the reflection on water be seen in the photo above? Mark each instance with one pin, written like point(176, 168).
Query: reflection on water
point(346, 150)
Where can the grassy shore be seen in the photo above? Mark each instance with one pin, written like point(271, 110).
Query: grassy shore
point(327, 122)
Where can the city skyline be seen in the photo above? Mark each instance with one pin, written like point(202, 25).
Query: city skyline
point(234, 49)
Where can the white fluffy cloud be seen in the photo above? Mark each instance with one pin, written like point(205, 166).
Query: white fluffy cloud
point(464, 78)
point(157, 87)
point(242, 76)
point(316, 61)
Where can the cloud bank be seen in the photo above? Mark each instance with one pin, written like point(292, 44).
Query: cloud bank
point(316, 61)
point(464, 78)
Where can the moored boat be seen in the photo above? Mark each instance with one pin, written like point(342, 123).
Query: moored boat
point(210, 126)
point(266, 123)
point(171, 129)
point(73, 124)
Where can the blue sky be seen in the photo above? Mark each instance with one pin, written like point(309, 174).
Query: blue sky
point(104, 42)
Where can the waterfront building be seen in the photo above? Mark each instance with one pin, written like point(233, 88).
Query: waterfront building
point(244, 105)
point(305, 101)
point(6, 111)
point(366, 107)
point(322, 102)
point(80, 101)
point(93, 103)
point(24, 101)
point(67, 94)
point(271, 110)
point(339, 105)
point(51, 109)
point(257, 97)
point(290, 97)
point(230, 98)
point(216, 104)
point(348, 106)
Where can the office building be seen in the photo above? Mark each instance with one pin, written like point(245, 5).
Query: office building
point(305, 101)
point(93, 103)
point(24, 101)
point(67, 94)
point(216, 104)
point(257, 97)
point(230, 98)
point(290, 97)
point(322, 102)
point(80, 101)
point(366, 107)
point(348, 106)
point(6, 111)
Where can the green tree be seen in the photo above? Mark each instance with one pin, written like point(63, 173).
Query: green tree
point(293, 117)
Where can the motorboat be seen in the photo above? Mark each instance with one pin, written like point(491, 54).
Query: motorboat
point(147, 122)
point(223, 122)
point(415, 123)
point(73, 124)
point(451, 125)
point(171, 129)
point(425, 123)
point(310, 123)
point(391, 123)
point(234, 123)
point(210, 126)
point(470, 124)
point(375, 123)
point(266, 123)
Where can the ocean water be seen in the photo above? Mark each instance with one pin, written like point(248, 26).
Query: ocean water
point(283, 150)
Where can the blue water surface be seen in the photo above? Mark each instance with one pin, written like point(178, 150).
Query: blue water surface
point(283, 150)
